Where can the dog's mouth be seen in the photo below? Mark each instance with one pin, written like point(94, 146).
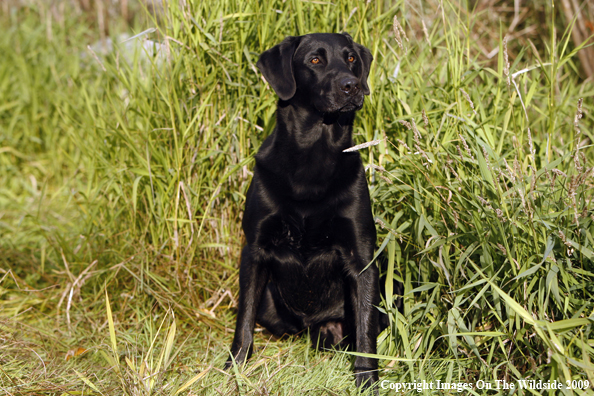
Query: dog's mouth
point(351, 107)
point(339, 103)
point(351, 104)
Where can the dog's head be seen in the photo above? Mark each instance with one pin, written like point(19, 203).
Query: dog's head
point(329, 69)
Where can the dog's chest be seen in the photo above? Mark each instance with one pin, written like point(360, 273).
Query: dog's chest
point(307, 237)
point(314, 167)
point(308, 264)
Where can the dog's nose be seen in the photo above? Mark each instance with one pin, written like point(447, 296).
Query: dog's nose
point(349, 85)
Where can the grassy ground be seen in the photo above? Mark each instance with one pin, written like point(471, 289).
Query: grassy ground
point(123, 178)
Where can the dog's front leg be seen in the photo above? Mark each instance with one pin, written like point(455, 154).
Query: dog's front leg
point(365, 295)
point(252, 281)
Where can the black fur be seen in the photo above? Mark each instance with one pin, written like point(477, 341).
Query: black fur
point(308, 221)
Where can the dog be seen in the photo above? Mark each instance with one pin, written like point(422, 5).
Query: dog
point(308, 222)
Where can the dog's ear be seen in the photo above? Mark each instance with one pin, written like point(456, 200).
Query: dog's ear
point(366, 59)
point(276, 64)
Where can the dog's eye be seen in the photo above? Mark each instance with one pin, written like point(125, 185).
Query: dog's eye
point(351, 59)
point(315, 61)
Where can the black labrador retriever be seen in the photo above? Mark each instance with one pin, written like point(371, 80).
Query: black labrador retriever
point(308, 222)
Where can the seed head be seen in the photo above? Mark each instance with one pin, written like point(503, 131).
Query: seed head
point(499, 213)
point(425, 119)
point(467, 97)
point(466, 146)
point(404, 144)
point(449, 166)
point(530, 145)
point(397, 29)
point(484, 202)
point(518, 169)
point(502, 248)
point(563, 239)
point(576, 159)
point(416, 133)
point(558, 172)
point(552, 177)
point(406, 124)
point(533, 182)
point(375, 167)
point(384, 178)
point(380, 222)
point(486, 155)
point(426, 33)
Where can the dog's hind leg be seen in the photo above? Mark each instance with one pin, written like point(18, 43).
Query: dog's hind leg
point(330, 334)
point(274, 316)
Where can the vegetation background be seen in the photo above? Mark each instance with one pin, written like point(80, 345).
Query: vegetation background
point(127, 132)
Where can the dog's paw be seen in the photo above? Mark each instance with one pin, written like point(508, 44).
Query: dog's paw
point(235, 360)
point(238, 357)
point(367, 379)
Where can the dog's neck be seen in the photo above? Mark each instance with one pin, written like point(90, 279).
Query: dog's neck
point(304, 126)
point(311, 144)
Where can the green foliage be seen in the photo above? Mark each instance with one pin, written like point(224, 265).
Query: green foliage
point(126, 173)
point(491, 212)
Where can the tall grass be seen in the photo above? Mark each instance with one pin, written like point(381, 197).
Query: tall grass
point(126, 174)
point(491, 211)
